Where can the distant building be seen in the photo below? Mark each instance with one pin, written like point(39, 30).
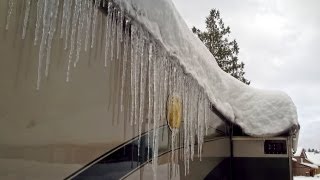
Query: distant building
point(302, 165)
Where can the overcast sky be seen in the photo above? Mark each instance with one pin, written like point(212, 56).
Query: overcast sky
point(279, 43)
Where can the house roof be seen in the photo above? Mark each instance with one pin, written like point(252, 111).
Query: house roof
point(258, 112)
point(309, 165)
point(298, 152)
point(313, 157)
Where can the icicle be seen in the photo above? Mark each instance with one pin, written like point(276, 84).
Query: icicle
point(134, 44)
point(73, 35)
point(191, 126)
point(119, 33)
point(107, 34)
point(40, 13)
point(113, 29)
point(26, 18)
point(174, 133)
point(82, 16)
point(198, 124)
point(132, 71)
point(94, 25)
point(186, 132)
point(142, 86)
point(53, 21)
point(45, 30)
point(150, 100)
point(11, 6)
point(162, 97)
point(124, 65)
point(67, 10)
point(206, 106)
point(186, 113)
point(88, 24)
point(64, 17)
point(155, 121)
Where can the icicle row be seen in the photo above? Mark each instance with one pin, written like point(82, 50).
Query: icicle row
point(150, 68)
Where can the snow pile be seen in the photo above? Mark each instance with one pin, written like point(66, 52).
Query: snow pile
point(306, 178)
point(258, 112)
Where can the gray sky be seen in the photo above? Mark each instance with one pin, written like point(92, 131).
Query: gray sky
point(279, 43)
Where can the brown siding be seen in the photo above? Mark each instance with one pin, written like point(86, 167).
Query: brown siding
point(301, 170)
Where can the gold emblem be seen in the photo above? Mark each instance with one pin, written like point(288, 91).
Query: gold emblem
point(174, 112)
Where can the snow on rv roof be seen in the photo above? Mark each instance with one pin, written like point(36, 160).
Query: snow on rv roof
point(257, 112)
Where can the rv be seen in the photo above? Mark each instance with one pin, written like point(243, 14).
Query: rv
point(84, 95)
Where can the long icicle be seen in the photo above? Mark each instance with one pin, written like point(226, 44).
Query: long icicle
point(26, 18)
point(142, 88)
point(68, 10)
point(82, 18)
point(11, 7)
point(124, 65)
point(43, 44)
point(73, 35)
point(132, 70)
point(40, 13)
point(155, 120)
point(94, 25)
point(150, 100)
point(88, 23)
point(53, 21)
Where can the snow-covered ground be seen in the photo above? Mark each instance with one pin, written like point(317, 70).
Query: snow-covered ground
point(306, 178)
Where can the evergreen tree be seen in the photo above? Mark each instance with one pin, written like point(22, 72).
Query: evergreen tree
point(225, 51)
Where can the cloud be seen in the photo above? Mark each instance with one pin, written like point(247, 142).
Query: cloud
point(279, 43)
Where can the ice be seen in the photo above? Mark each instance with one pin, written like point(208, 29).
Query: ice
point(124, 64)
point(11, 7)
point(45, 29)
point(119, 33)
point(26, 18)
point(81, 32)
point(75, 19)
point(53, 22)
point(150, 92)
point(67, 10)
point(142, 85)
point(155, 117)
point(108, 39)
point(94, 23)
point(88, 23)
point(40, 6)
point(113, 36)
